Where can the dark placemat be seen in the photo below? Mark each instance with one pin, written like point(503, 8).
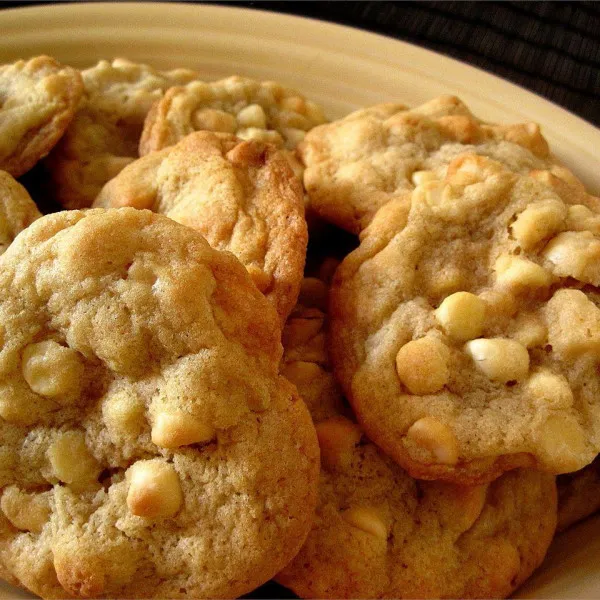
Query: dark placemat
point(551, 48)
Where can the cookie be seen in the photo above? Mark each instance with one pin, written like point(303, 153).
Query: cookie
point(305, 358)
point(38, 99)
point(17, 210)
point(105, 132)
point(241, 195)
point(378, 533)
point(252, 110)
point(466, 326)
point(578, 495)
point(357, 164)
point(140, 413)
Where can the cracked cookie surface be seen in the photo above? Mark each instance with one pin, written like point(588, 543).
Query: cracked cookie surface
point(378, 533)
point(241, 195)
point(104, 135)
point(140, 413)
point(38, 99)
point(466, 326)
point(17, 210)
point(357, 164)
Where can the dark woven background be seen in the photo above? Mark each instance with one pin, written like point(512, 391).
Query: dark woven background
point(551, 48)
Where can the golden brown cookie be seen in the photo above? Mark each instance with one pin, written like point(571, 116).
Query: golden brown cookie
point(466, 326)
point(141, 414)
point(578, 495)
point(378, 533)
point(17, 210)
point(252, 110)
point(241, 195)
point(359, 163)
point(104, 135)
point(38, 99)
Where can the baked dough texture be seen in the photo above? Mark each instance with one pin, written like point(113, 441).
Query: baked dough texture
point(265, 111)
point(105, 132)
point(241, 195)
point(17, 210)
point(466, 326)
point(355, 165)
point(149, 448)
point(378, 533)
point(38, 98)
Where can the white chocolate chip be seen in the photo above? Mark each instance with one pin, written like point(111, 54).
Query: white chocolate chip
point(422, 365)
point(420, 177)
point(561, 442)
point(500, 359)
point(154, 489)
point(261, 135)
point(26, 511)
point(575, 254)
point(437, 438)
point(549, 390)
point(172, 430)
point(517, 272)
point(462, 316)
point(573, 322)
point(539, 221)
point(529, 330)
point(581, 218)
point(210, 119)
point(53, 370)
point(366, 519)
point(71, 461)
point(252, 115)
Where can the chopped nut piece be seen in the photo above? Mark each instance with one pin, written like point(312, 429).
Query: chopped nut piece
point(462, 316)
point(154, 489)
point(422, 365)
point(438, 438)
point(500, 359)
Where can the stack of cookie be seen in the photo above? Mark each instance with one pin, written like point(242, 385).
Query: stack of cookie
point(173, 365)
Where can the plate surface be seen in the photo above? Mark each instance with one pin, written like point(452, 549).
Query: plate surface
point(341, 68)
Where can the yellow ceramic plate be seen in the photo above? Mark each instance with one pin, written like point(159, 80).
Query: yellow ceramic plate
point(341, 68)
